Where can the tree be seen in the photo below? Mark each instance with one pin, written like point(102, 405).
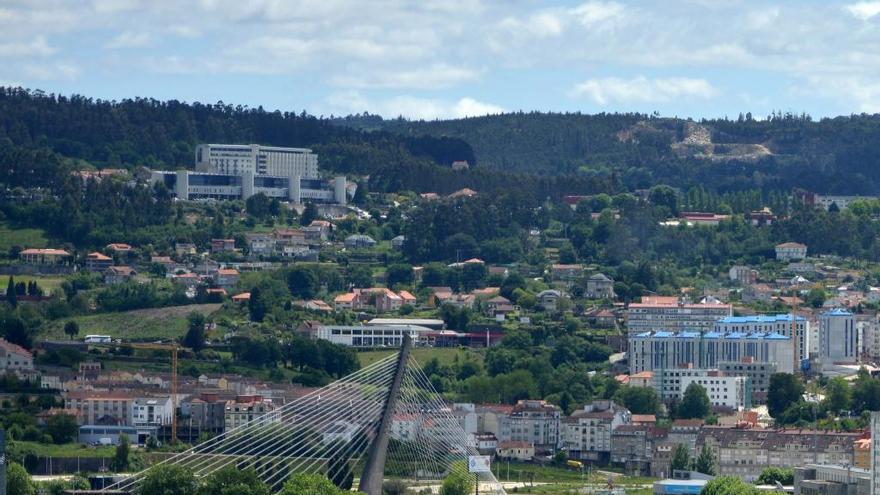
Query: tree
point(772, 474)
point(705, 462)
point(816, 297)
point(120, 458)
point(310, 213)
point(257, 307)
point(681, 459)
point(695, 402)
point(11, 296)
point(310, 484)
point(71, 329)
point(399, 273)
point(195, 333)
point(639, 400)
point(339, 471)
point(784, 390)
point(457, 483)
point(18, 482)
point(728, 485)
point(303, 282)
point(167, 479)
point(232, 481)
point(838, 395)
point(359, 276)
point(62, 428)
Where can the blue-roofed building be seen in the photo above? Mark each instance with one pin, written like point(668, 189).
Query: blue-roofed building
point(778, 324)
point(652, 351)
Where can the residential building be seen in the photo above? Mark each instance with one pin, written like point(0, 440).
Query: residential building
point(779, 323)
point(119, 247)
point(101, 408)
point(245, 409)
point(152, 411)
point(516, 450)
point(119, 275)
point(486, 443)
point(222, 245)
point(758, 374)
point(536, 422)
point(842, 202)
point(758, 292)
point(226, 278)
point(764, 216)
point(745, 452)
point(380, 298)
point(743, 274)
point(240, 159)
point(97, 262)
point(548, 299)
point(862, 453)
point(398, 242)
point(260, 244)
point(44, 256)
point(599, 286)
point(632, 446)
point(656, 313)
point(875, 453)
point(586, 433)
point(654, 351)
point(15, 359)
point(359, 241)
point(566, 272)
point(184, 249)
point(791, 251)
point(726, 391)
point(837, 337)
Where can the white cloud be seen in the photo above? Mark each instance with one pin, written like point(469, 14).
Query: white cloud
point(433, 77)
point(864, 10)
point(51, 72)
point(129, 39)
point(595, 12)
point(185, 31)
point(411, 107)
point(612, 90)
point(39, 47)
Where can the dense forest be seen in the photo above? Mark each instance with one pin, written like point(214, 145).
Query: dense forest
point(778, 153)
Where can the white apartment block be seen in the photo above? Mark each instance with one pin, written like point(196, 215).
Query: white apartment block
point(241, 159)
point(789, 251)
point(246, 409)
point(838, 337)
point(668, 313)
point(152, 411)
point(536, 422)
point(658, 351)
point(724, 391)
point(586, 434)
point(101, 407)
point(780, 324)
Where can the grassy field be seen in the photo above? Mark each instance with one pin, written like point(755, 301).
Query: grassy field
point(26, 238)
point(446, 355)
point(65, 450)
point(138, 325)
point(47, 283)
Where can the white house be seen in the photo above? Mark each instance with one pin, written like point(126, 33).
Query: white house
point(789, 251)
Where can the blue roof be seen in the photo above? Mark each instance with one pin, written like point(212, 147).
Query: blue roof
point(735, 335)
point(712, 335)
point(837, 312)
point(775, 336)
point(688, 335)
point(758, 318)
point(664, 334)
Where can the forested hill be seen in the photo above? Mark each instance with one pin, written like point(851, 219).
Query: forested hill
point(840, 155)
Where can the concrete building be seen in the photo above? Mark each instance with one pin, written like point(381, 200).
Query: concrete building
point(152, 411)
point(838, 341)
point(109, 434)
point(586, 433)
point(101, 408)
point(207, 413)
point(743, 274)
point(790, 251)
point(780, 323)
point(824, 479)
point(34, 256)
point(536, 422)
point(515, 450)
point(653, 351)
point(188, 185)
point(875, 453)
point(657, 313)
point(632, 447)
point(371, 336)
point(244, 409)
point(97, 262)
point(757, 373)
point(731, 392)
point(240, 159)
point(599, 286)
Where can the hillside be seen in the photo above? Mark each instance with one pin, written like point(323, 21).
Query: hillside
point(836, 155)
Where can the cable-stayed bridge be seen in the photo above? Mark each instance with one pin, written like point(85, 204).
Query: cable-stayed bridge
point(384, 421)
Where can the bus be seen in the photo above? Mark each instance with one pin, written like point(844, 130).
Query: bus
point(98, 339)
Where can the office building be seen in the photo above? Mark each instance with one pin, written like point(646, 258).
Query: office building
point(241, 159)
point(723, 390)
point(837, 337)
point(652, 351)
point(780, 323)
point(657, 313)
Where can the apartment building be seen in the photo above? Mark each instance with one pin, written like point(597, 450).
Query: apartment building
point(586, 433)
point(656, 313)
point(244, 409)
point(15, 359)
point(838, 337)
point(104, 408)
point(152, 411)
point(779, 323)
point(536, 422)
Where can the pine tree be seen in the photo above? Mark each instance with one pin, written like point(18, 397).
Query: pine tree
point(11, 296)
point(705, 462)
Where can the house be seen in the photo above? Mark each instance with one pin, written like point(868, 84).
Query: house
point(189, 280)
point(15, 359)
point(47, 256)
point(182, 249)
point(789, 251)
point(222, 245)
point(600, 286)
point(359, 241)
point(104, 408)
point(242, 297)
point(758, 293)
point(463, 193)
point(742, 274)
point(515, 450)
point(97, 262)
point(244, 409)
point(118, 274)
point(323, 227)
point(260, 244)
point(644, 419)
point(487, 443)
point(407, 298)
point(499, 305)
point(165, 262)
point(381, 298)
point(633, 446)
point(397, 242)
point(763, 216)
point(536, 422)
point(548, 299)
point(226, 277)
point(603, 318)
point(586, 434)
point(118, 247)
point(460, 165)
point(429, 196)
point(642, 379)
point(346, 301)
point(566, 272)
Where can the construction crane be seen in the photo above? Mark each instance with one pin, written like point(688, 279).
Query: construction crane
point(157, 346)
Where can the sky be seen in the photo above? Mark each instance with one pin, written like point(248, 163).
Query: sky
point(438, 59)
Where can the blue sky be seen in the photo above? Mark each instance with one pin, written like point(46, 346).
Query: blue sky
point(454, 58)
